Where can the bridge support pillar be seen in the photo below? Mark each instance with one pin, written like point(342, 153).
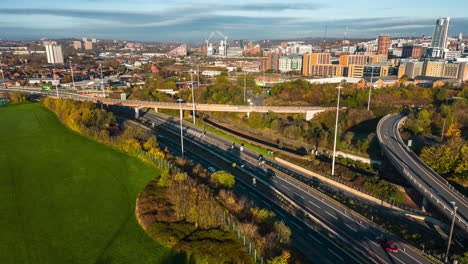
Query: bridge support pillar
point(156, 109)
point(310, 114)
point(248, 114)
point(137, 112)
point(424, 204)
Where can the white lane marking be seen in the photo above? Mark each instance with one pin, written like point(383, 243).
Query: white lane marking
point(336, 255)
point(254, 195)
point(411, 257)
point(274, 180)
point(316, 240)
point(240, 186)
point(265, 203)
point(282, 215)
point(393, 256)
point(299, 195)
point(331, 215)
point(297, 225)
point(314, 204)
point(285, 187)
point(351, 227)
point(372, 241)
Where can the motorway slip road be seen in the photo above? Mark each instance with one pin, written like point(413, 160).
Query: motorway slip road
point(429, 183)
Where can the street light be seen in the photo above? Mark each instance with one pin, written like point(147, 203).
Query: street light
point(336, 129)
point(245, 84)
point(370, 89)
point(451, 230)
point(181, 129)
point(102, 81)
point(3, 75)
point(56, 87)
point(71, 70)
point(193, 97)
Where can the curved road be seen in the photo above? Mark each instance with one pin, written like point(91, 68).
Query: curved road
point(434, 188)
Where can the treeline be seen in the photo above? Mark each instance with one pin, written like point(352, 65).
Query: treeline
point(191, 202)
point(449, 159)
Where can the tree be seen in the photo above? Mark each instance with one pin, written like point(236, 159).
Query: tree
point(181, 176)
point(150, 143)
point(453, 131)
point(223, 178)
point(283, 231)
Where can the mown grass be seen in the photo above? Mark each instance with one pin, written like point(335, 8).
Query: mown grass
point(66, 198)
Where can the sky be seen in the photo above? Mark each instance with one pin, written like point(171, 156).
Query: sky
point(183, 20)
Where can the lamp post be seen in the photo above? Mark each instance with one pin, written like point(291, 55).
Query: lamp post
point(181, 129)
point(336, 129)
point(245, 83)
point(56, 87)
point(3, 75)
point(71, 70)
point(451, 230)
point(102, 81)
point(370, 88)
point(193, 97)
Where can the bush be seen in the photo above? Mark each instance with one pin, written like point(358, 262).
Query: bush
point(223, 178)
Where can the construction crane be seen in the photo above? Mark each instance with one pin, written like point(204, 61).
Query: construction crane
point(208, 41)
point(225, 42)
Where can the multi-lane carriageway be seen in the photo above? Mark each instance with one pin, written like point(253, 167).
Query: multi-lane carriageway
point(357, 233)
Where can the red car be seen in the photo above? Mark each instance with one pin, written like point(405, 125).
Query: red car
point(388, 245)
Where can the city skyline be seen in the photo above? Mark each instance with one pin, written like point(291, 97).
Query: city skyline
point(184, 21)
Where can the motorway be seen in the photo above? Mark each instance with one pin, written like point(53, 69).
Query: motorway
point(434, 188)
point(356, 231)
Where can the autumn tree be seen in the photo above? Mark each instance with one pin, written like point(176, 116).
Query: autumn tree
point(223, 178)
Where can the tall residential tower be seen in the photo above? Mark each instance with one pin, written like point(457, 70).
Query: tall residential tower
point(54, 53)
point(439, 38)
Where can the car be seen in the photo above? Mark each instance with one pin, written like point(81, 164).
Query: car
point(211, 169)
point(388, 245)
point(160, 136)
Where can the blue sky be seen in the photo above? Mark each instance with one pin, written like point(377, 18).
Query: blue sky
point(184, 20)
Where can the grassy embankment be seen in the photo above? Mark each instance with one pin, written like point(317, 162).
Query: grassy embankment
point(66, 198)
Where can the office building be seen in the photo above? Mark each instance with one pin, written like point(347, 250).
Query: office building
point(88, 45)
point(93, 40)
point(347, 60)
point(310, 59)
point(371, 70)
point(234, 52)
point(410, 51)
point(452, 54)
point(77, 44)
point(451, 70)
point(178, 51)
point(324, 70)
point(271, 62)
point(463, 71)
point(414, 69)
point(401, 70)
point(439, 37)
point(289, 63)
point(84, 39)
point(433, 68)
point(383, 45)
point(54, 54)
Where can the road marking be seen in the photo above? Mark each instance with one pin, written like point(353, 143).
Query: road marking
point(285, 187)
point(393, 256)
point(299, 195)
point(254, 195)
point(372, 241)
point(331, 215)
point(297, 225)
point(282, 215)
point(411, 257)
point(351, 227)
point(241, 187)
point(314, 204)
point(316, 240)
point(274, 180)
point(336, 255)
point(265, 203)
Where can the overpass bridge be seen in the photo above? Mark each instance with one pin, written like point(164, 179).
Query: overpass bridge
point(431, 185)
point(308, 111)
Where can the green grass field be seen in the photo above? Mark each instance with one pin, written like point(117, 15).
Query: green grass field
point(68, 199)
